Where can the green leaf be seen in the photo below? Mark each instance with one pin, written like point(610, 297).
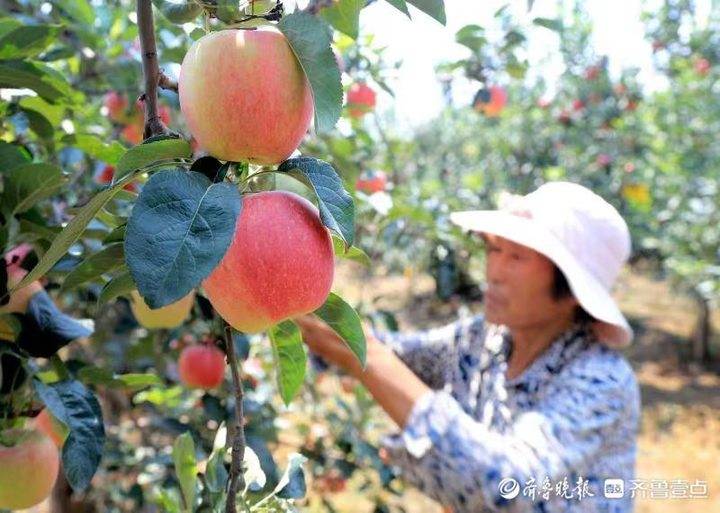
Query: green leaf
point(433, 8)
point(178, 12)
point(76, 407)
point(9, 329)
point(42, 79)
point(168, 500)
point(310, 38)
point(72, 232)
point(400, 5)
point(180, 228)
point(550, 24)
point(12, 156)
point(344, 321)
point(27, 41)
point(352, 253)
point(79, 10)
point(104, 261)
point(95, 147)
point(290, 358)
point(472, 37)
point(120, 285)
point(344, 15)
point(336, 206)
point(39, 123)
point(143, 155)
point(27, 184)
point(185, 468)
point(116, 235)
point(215, 472)
point(134, 381)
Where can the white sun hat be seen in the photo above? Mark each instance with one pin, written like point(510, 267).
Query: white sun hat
point(580, 232)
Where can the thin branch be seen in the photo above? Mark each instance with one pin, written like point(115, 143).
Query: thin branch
point(166, 82)
point(151, 71)
point(236, 479)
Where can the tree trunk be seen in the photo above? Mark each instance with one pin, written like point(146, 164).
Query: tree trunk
point(702, 333)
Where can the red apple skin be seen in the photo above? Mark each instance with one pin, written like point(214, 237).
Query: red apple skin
point(202, 366)
point(245, 96)
point(280, 264)
point(360, 99)
point(28, 468)
point(106, 175)
point(370, 184)
point(117, 104)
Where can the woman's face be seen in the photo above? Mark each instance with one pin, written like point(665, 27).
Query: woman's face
point(519, 286)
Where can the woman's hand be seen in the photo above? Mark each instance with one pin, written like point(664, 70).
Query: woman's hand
point(324, 342)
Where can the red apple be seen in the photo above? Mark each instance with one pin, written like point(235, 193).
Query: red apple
point(371, 182)
point(29, 463)
point(279, 265)
point(245, 96)
point(360, 99)
point(495, 104)
point(702, 66)
point(52, 427)
point(202, 366)
point(117, 104)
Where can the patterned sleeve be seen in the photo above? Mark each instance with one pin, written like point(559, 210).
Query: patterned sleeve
point(460, 462)
point(432, 354)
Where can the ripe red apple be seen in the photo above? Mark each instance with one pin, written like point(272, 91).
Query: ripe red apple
point(29, 464)
point(371, 182)
point(360, 99)
point(564, 118)
point(202, 366)
point(578, 104)
point(117, 104)
point(169, 316)
point(132, 134)
point(603, 160)
point(544, 103)
point(495, 104)
point(245, 96)
point(592, 72)
point(52, 427)
point(279, 265)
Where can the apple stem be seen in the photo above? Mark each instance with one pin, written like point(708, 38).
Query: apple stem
point(236, 480)
point(151, 70)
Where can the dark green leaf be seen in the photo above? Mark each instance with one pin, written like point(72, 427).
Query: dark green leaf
point(27, 41)
point(104, 261)
point(290, 358)
point(100, 376)
point(143, 155)
point(12, 156)
point(433, 8)
point(344, 321)
point(116, 235)
point(72, 232)
point(9, 328)
point(179, 230)
point(179, 12)
point(215, 473)
point(344, 15)
point(550, 24)
point(76, 407)
point(310, 38)
point(120, 285)
point(336, 206)
point(27, 184)
point(39, 124)
point(42, 79)
point(400, 5)
point(78, 10)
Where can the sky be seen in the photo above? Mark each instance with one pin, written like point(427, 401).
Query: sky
point(423, 43)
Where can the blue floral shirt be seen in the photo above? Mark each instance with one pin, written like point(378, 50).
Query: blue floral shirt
point(544, 441)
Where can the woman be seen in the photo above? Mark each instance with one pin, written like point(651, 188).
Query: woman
point(530, 407)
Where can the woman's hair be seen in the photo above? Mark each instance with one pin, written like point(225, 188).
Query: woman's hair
point(561, 290)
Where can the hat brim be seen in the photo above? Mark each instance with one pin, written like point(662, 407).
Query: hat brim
point(612, 328)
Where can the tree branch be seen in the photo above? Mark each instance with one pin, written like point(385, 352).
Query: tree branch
point(166, 82)
point(235, 480)
point(151, 71)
